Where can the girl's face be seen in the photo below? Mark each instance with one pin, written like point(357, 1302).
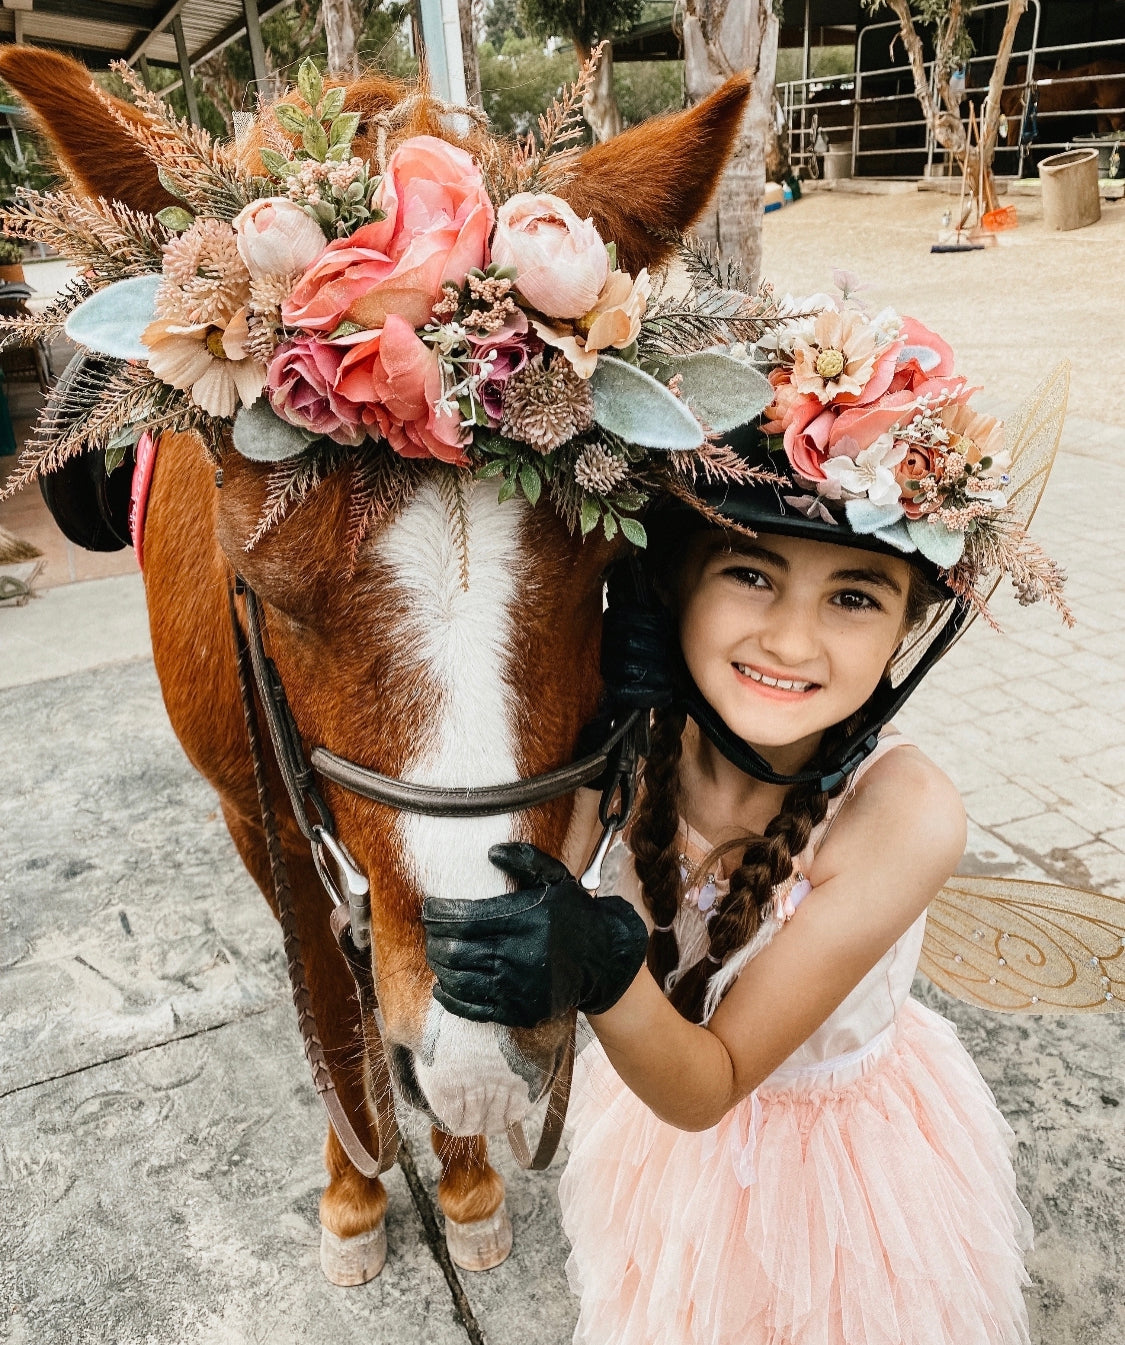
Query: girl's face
point(785, 636)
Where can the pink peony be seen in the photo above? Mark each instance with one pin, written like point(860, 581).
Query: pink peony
point(806, 436)
point(393, 381)
point(277, 238)
point(560, 260)
point(302, 377)
point(438, 218)
point(511, 347)
point(925, 356)
point(857, 427)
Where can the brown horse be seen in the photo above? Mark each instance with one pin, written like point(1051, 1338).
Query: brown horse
point(404, 664)
point(1098, 86)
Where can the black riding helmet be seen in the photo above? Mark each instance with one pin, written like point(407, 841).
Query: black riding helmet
point(643, 665)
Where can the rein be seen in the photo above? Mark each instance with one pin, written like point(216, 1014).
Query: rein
point(612, 765)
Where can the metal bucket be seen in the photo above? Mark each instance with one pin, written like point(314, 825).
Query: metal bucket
point(1070, 189)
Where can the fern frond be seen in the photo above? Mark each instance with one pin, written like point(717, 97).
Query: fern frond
point(452, 492)
point(292, 482)
point(381, 487)
point(21, 329)
point(103, 236)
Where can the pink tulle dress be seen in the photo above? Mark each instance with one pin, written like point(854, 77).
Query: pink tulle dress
point(862, 1195)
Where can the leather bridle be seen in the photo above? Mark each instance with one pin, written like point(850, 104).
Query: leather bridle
point(612, 767)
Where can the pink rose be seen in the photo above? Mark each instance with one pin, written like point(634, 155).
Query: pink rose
point(560, 260)
point(511, 347)
point(925, 356)
point(438, 218)
point(301, 381)
point(857, 427)
point(277, 238)
point(785, 395)
point(393, 381)
point(806, 436)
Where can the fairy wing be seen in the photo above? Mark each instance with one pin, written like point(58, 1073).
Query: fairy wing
point(1010, 945)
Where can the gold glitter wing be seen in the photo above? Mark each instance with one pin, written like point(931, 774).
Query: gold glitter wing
point(1014, 946)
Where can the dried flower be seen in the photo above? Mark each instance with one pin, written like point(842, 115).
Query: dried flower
point(205, 278)
point(599, 471)
point(545, 405)
point(213, 364)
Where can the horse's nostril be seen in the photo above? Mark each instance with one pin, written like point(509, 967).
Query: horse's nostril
point(406, 1078)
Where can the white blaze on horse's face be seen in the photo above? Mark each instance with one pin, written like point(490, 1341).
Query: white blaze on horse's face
point(461, 637)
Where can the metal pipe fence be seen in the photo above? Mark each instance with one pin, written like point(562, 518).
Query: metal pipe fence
point(885, 127)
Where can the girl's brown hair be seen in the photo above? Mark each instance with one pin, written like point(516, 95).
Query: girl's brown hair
point(767, 860)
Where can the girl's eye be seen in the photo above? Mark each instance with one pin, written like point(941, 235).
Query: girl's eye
point(854, 600)
point(750, 578)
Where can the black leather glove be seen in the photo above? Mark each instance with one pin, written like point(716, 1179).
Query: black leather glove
point(530, 955)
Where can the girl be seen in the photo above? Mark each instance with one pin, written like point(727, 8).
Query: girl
point(773, 1143)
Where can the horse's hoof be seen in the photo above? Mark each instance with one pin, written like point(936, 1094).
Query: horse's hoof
point(482, 1244)
point(350, 1261)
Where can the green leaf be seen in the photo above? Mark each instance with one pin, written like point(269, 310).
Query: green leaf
point(609, 527)
point(315, 140)
point(936, 542)
point(276, 164)
point(262, 436)
point(634, 531)
point(630, 403)
point(332, 104)
point(722, 391)
point(489, 470)
point(343, 128)
point(291, 118)
point(345, 328)
point(309, 82)
point(115, 456)
point(611, 248)
point(507, 489)
point(530, 482)
point(588, 516)
point(176, 218)
point(169, 183)
point(323, 213)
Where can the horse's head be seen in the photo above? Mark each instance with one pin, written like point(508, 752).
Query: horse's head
point(458, 644)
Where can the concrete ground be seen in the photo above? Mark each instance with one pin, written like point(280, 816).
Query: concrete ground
point(159, 1138)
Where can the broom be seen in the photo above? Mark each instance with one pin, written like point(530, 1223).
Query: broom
point(14, 549)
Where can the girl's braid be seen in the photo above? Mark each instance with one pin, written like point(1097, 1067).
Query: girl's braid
point(653, 837)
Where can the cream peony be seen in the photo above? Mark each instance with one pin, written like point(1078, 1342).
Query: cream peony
point(277, 238)
point(560, 260)
point(614, 320)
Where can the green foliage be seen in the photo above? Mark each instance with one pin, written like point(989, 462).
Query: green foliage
point(11, 252)
point(824, 63)
point(520, 80)
point(583, 21)
point(501, 21)
point(646, 88)
point(936, 16)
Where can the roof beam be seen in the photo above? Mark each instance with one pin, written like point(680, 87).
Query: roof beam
point(233, 31)
point(164, 14)
point(100, 11)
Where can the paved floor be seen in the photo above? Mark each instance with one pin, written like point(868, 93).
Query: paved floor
point(159, 1140)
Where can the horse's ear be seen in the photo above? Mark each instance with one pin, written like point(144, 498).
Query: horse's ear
point(97, 155)
point(655, 180)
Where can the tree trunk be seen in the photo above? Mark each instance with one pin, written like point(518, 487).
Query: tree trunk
point(599, 105)
point(339, 30)
point(465, 12)
point(722, 38)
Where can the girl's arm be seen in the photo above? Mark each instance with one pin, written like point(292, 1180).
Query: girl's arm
point(873, 877)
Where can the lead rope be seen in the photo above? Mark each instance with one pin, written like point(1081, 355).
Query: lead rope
point(386, 1128)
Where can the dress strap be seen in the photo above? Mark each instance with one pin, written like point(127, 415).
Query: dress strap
point(889, 739)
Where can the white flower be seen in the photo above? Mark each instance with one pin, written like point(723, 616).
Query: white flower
point(870, 476)
point(277, 238)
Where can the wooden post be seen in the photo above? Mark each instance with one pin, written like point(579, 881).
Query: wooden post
point(254, 40)
point(185, 70)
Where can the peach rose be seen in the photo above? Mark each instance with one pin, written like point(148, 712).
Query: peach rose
point(560, 260)
point(614, 320)
point(438, 218)
point(277, 238)
point(921, 460)
point(393, 381)
point(785, 395)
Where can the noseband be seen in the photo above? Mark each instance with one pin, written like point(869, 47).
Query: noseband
point(612, 766)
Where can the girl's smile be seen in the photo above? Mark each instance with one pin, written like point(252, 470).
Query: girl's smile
point(773, 684)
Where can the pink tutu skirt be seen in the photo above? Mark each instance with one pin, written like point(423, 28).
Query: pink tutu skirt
point(872, 1204)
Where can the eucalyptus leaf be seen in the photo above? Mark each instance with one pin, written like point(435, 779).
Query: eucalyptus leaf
point(291, 118)
point(176, 218)
point(936, 542)
point(276, 163)
point(640, 409)
point(338, 153)
point(315, 140)
point(530, 483)
point(262, 436)
point(588, 516)
point(609, 527)
point(115, 456)
point(634, 531)
point(343, 128)
point(722, 391)
point(332, 104)
point(309, 82)
point(111, 321)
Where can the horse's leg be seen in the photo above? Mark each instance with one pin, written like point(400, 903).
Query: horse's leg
point(478, 1231)
point(353, 1244)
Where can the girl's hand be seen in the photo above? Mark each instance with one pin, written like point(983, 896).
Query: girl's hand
point(530, 955)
